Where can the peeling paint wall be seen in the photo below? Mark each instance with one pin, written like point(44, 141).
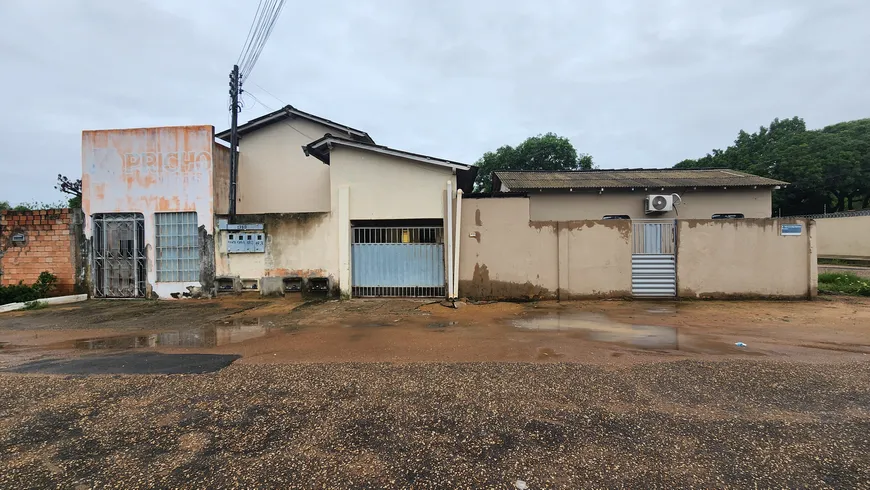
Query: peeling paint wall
point(504, 255)
point(149, 170)
point(697, 204)
point(297, 245)
point(501, 256)
point(844, 237)
point(745, 258)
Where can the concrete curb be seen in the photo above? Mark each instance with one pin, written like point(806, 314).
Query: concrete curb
point(60, 300)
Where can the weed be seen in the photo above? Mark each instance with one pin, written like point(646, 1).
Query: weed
point(844, 283)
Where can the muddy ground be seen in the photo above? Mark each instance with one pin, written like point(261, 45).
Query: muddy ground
point(403, 394)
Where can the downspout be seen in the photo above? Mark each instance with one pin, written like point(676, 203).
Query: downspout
point(449, 239)
point(456, 242)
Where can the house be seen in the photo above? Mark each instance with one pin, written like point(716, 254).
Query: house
point(641, 193)
point(326, 208)
point(319, 206)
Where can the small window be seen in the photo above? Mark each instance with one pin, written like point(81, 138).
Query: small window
point(249, 237)
point(728, 216)
point(231, 236)
point(616, 216)
point(259, 237)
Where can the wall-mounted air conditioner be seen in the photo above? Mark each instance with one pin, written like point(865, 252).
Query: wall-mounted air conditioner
point(660, 203)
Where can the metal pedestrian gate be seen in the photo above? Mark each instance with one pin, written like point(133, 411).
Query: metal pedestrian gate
point(119, 255)
point(653, 258)
point(397, 261)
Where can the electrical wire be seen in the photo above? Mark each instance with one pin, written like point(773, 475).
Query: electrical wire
point(285, 122)
point(259, 32)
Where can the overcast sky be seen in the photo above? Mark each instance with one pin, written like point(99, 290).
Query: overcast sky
point(635, 83)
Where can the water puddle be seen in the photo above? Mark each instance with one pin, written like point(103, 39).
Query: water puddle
point(229, 332)
point(440, 325)
point(601, 328)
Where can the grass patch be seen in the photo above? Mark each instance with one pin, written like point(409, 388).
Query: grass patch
point(843, 283)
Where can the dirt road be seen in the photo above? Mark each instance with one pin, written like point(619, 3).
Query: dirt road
point(620, 332)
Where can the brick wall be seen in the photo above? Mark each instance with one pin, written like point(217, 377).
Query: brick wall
point(50, 244)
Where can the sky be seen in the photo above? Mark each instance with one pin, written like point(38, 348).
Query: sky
point(634, 83)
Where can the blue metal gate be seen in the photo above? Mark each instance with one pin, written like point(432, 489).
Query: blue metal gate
point(397, 261)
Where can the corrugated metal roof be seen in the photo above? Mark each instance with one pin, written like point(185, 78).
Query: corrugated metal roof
point(631, 178)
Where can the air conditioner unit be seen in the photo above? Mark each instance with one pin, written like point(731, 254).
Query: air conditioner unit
point(656, 203)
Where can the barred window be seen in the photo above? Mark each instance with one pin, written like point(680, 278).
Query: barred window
point(177, 247)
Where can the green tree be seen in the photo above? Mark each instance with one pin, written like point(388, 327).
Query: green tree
point(543, 152)
point(827, 168)
point(5, 206)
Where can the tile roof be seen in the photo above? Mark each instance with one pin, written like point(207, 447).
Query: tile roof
point(631, 178)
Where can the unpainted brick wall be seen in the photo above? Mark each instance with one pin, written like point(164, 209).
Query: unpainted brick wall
point(49, 246)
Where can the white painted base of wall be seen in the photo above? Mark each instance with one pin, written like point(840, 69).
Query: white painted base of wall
point(60, 300)
point(165, 289)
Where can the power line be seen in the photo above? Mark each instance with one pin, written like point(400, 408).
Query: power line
point(259, 32)
point(271, 109)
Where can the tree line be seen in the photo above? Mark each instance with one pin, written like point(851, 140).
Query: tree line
point(828, 169)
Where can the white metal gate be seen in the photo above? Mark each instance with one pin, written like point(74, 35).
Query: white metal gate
point(397, 261)
point(119, 255)
point(653, 258)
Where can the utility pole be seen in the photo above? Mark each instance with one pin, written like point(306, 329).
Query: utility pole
point(235, 89)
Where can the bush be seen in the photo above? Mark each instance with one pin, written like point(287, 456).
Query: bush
point(843, 283)
point(22, 293)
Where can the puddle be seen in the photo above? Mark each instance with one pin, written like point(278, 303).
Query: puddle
point(230, 332)
point(437, 325)
point(601, 328)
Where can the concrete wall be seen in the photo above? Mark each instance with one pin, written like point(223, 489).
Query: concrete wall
point(52, 243)
point(388, 187)
point(505, 255)
point(501, 256)
point(221, 179)
point(297, 245)
point(594, 259)
point(275, 176)
point(150, 170)
point(745, 258)
point(697, 204)
point(844, 237)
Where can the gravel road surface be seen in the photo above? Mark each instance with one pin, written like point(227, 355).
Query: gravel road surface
point(688, 423)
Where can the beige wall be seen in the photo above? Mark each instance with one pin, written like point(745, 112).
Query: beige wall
point(275, 176)
point(221, 178)
point(721, 258)
point(507, 258)
point(594, 259)
point(698, 204)
point(844, 237)
point(303, 245)
point(387, 187)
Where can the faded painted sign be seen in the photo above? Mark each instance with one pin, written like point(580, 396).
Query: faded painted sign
point(148, 170)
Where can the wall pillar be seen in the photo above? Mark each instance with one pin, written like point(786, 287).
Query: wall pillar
point(813, 290)
point(344, 241)
point(563, 264)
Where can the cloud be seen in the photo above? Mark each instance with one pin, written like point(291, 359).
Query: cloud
point(634, 83)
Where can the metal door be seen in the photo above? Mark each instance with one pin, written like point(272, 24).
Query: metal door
point(397, 261)
point(653, 259)
point(119, 255)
